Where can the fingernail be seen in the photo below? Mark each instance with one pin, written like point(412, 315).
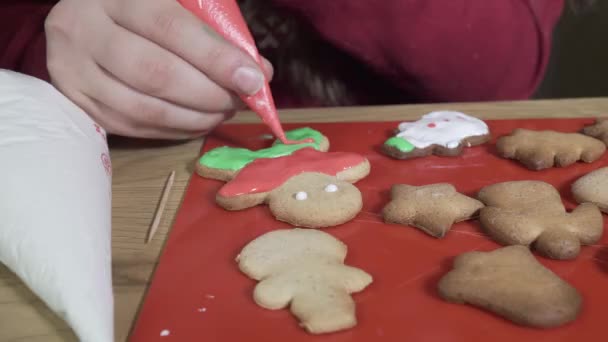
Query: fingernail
point(269, 68)
point(248, 80)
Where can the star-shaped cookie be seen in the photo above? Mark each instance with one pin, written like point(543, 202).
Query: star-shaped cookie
point(433, 208)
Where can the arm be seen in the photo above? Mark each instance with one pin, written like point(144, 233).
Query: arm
point(22, 40)
point(446, 50)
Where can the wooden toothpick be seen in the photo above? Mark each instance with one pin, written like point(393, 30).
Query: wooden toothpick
point(161, 206)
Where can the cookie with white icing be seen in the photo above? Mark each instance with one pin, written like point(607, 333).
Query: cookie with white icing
point(442, 133)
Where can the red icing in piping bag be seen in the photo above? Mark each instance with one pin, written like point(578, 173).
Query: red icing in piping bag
point(225, 17)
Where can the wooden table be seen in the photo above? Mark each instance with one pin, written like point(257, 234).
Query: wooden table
point(140, 170)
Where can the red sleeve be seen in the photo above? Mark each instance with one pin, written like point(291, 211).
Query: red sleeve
point(443, 50)
point(22, 40)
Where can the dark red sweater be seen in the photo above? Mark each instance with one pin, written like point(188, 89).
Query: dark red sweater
point(440, 50)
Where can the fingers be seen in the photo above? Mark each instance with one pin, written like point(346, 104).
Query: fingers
point(136, 114)
point(154, 71)
point(168, 24)
point(134, 86)
point(114, 122)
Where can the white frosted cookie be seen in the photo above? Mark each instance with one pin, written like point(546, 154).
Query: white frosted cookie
point(442, 133)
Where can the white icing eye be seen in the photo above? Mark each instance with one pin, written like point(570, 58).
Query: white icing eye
point(301, 196)
point(331, 188)
point(453, 144)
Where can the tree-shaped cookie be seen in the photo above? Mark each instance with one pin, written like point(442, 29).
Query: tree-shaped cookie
point(531, 213)
point(224, 162)
point(304, 269)
point(511, 283)
point(539, 150)
point(307, 188)
point(442, 133)
point(432, 208)
point(598, 130)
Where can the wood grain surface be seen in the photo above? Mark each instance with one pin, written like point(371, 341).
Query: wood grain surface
point(140, 171)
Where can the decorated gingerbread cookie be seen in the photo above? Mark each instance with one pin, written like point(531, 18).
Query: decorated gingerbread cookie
point(307, 188)
point(224, 162)
point(304, 270)
point(443, 133)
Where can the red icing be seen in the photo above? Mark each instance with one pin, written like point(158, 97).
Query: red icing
point(264, 175)
point(225, 17)
point(431, 125)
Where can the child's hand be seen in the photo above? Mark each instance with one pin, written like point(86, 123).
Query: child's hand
point(147, 68)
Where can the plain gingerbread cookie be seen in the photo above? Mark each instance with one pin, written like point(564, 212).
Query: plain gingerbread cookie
point(432, 208)
point(531, 213)
point(539, 150)
point(593, 188)
point(304, 269)
point(598, 130)
point(511, 283)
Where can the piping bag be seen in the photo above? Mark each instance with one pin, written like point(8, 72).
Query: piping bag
point(225, 17)
point(55, 195)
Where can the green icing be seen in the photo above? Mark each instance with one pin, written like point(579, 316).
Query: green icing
point(234, 158)
point(303, 134)
point(400, 144)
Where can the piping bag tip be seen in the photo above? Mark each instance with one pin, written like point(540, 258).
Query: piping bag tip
point(225, 17)
point(262, 104)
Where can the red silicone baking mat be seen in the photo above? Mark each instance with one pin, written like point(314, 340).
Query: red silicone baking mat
point(198, 293)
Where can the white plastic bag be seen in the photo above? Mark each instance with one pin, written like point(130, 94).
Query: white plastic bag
point(55, 213)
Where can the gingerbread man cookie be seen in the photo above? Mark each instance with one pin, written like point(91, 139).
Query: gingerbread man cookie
point(539, 150)
point(511, 283)
point(222, 163)
point(304, 269)
point(432, 208)
point(307, 188)
point(599, 130)
point(531, 213)
point(443, 133)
